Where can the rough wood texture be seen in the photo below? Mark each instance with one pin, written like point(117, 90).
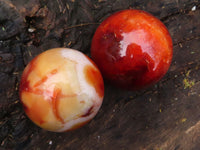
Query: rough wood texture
point(165, 116)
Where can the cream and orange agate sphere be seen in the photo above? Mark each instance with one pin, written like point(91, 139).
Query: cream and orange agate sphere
point(61, 89)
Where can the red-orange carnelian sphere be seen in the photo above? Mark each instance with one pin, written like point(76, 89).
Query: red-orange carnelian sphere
point(132, 48)
point(61, 89)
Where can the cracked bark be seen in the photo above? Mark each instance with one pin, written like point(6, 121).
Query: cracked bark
point(154, 118)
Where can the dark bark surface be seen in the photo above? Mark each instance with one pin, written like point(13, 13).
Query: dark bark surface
point(165, 116)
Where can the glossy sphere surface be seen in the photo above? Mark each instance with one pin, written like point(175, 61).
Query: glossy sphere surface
point(61, 89)
point(132, 48)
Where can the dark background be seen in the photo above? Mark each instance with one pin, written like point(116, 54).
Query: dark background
point(165, 116)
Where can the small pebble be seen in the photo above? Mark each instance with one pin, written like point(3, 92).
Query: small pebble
point(194, 8)
point(149, 99)
point(50, 142)
point(31, 30)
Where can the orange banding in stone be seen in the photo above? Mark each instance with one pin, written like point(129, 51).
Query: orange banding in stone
point(36, 108)
point(54, 71)
point(55, 103)
point(94, 78)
